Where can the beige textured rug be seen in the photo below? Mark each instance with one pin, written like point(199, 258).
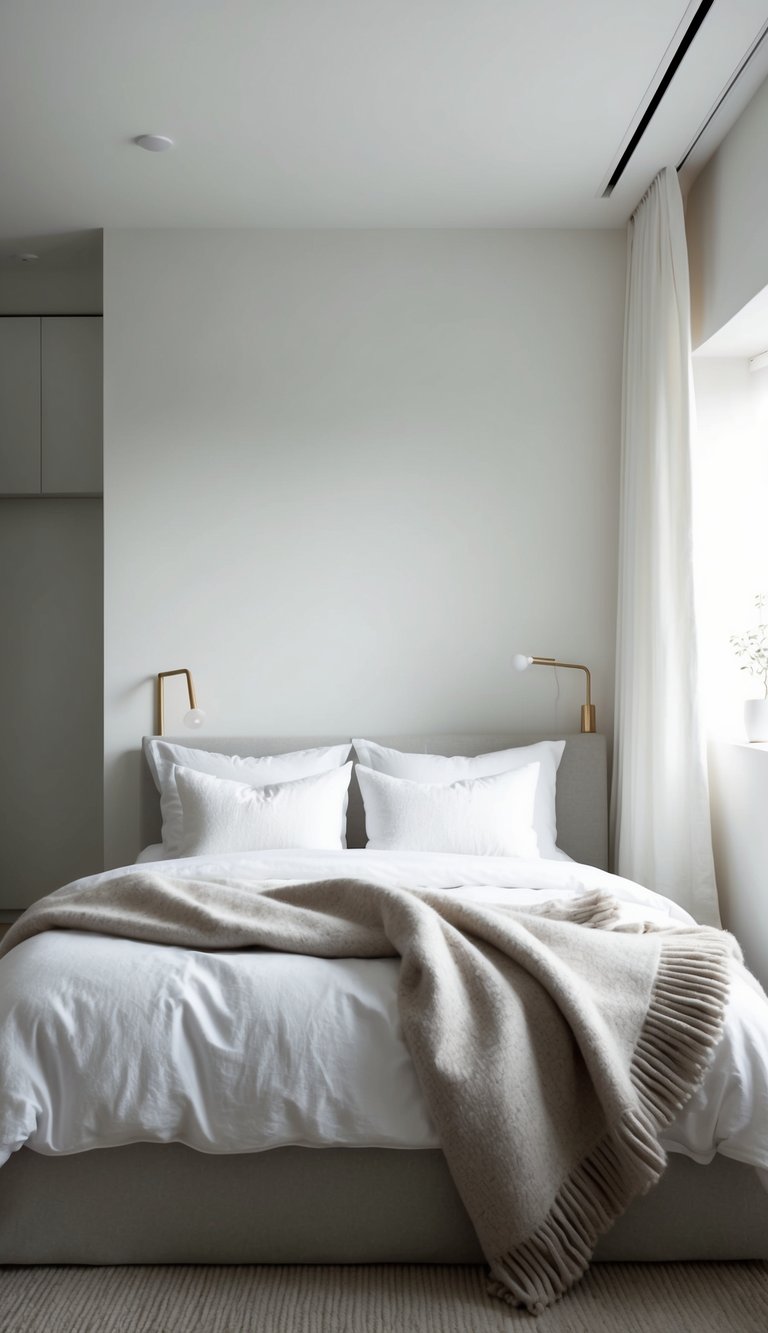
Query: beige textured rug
point(613, 1298)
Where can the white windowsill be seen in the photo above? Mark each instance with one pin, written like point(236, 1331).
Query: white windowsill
point(738, 743)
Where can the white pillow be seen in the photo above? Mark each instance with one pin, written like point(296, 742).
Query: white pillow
point(163, 756)
point(224, 816)
point(481, 816)
point(437, 768)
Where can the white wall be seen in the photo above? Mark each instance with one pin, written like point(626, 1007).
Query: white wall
point(726, 223)
point(348, 474)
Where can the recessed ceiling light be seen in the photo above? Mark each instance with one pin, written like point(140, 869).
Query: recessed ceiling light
point(154, 143)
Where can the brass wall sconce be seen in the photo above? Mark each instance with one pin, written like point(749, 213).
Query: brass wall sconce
point(195, 717)
point(588, 716)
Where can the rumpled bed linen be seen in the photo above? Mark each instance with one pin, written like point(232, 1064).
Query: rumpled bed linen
point(235, 1051)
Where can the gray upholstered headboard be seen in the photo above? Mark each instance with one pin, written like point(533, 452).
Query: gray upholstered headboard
point(582, 789)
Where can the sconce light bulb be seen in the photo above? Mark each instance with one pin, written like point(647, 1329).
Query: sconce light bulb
point(520, 662)
point(194, 718)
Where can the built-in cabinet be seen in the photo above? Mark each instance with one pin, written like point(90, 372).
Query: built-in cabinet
point(20, 406)
point(51, 405)
point(51, 593)
point(51, 686)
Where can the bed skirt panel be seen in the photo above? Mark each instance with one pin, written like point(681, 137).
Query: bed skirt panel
point(167, 1204)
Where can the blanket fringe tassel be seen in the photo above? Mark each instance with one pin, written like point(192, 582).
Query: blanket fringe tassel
point(683, 1024)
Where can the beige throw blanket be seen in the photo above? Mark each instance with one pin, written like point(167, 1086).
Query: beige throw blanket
point(550, 1055)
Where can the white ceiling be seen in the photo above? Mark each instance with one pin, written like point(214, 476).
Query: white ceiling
point(344, 113)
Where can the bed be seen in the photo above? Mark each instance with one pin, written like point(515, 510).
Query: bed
point(169, 1202)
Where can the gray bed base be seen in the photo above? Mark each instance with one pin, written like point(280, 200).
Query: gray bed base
point(150, 1203)
point(167, 1204)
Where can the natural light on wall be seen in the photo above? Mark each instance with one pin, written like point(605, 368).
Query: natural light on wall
point(732, 529)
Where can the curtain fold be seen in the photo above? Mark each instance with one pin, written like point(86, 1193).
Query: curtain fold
point(660, 823)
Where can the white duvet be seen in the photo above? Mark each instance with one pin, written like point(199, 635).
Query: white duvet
point(106, 1041)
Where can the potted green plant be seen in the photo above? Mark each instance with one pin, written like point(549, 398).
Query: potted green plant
point(752, 647)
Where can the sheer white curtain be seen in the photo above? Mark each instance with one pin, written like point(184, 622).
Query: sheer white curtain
point(660, 799)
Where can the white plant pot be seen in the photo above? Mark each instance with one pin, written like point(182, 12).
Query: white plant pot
point(756, 719)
